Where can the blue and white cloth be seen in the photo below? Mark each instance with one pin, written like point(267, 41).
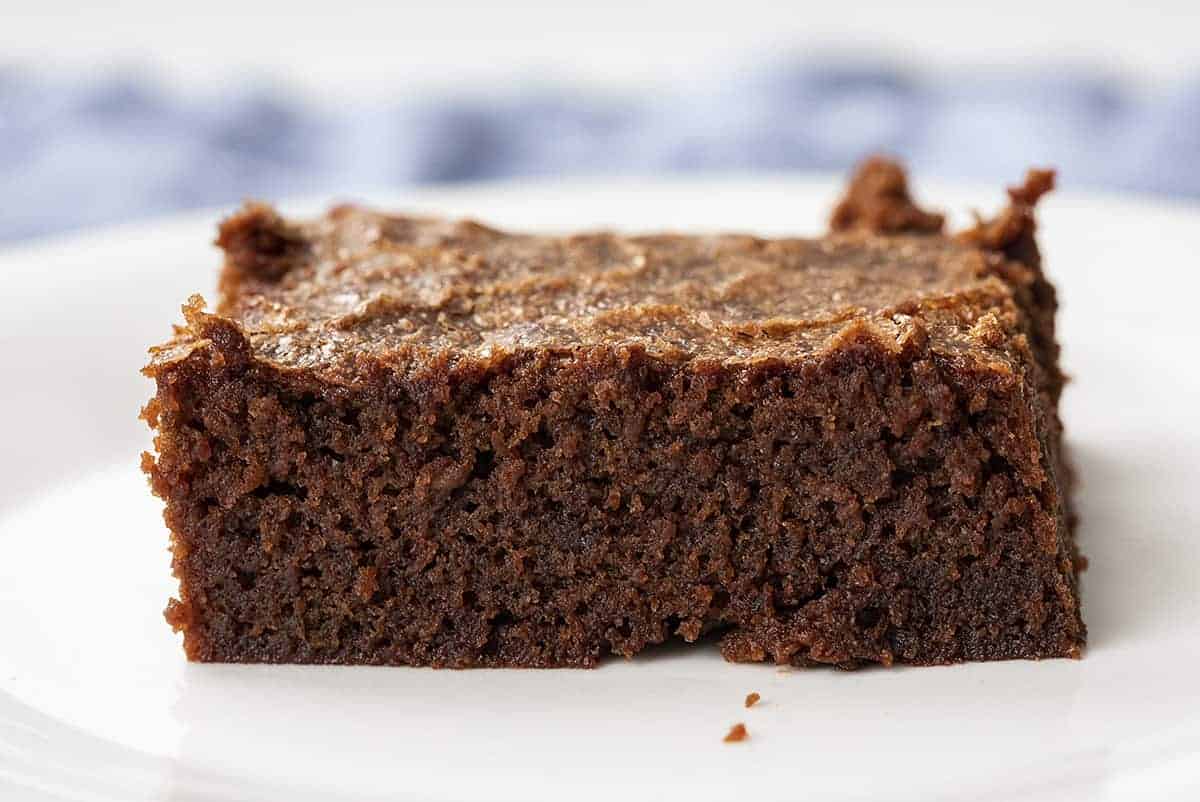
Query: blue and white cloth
point(114, 148)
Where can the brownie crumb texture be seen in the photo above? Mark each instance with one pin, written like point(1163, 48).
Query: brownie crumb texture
point(400, 440)
point(878, 201)
point(752, 699)
point(737, 733)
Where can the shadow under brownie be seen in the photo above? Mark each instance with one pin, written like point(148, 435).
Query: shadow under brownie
point(415, 441)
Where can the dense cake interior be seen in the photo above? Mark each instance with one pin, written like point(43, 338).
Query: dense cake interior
point(421, 442)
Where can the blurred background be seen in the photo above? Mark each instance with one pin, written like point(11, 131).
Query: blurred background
point(118, 111)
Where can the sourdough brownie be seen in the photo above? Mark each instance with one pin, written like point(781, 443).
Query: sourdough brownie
point(400, 440)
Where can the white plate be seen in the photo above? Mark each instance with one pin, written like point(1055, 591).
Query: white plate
point(97, 703)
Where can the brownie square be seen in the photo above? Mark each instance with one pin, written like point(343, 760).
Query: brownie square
point(413, 441)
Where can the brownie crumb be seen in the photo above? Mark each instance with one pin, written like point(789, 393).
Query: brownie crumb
point(259, 244)
point(752, 699)
point(878, 201)
point(736, 734)
point(1011, 231)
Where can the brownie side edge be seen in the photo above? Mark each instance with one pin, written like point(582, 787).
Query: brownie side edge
point(881, 504)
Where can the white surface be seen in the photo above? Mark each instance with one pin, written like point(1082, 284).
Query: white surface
point(97, 703)
point(361, 47)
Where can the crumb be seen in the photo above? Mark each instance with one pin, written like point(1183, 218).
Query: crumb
point(752, 699)
point(737, 733)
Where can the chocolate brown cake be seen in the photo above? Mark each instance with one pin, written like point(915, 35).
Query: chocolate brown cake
point(412, 441)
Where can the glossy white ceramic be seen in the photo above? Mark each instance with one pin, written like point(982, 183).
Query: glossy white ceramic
point(97, 702)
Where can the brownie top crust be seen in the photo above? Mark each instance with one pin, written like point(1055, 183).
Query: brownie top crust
point(358, 284)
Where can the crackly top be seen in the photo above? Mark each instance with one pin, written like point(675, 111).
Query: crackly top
point(359, 283)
